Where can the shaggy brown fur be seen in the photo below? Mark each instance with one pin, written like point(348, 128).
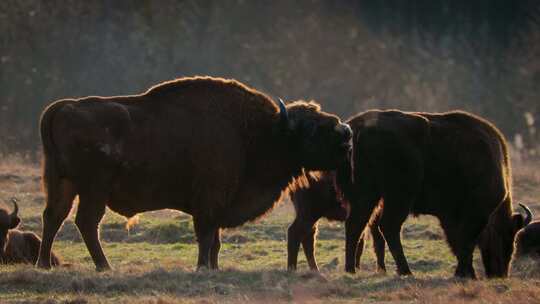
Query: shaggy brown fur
point(18, 246)
point(452, 165)
point(210, 147)
point(314, 199)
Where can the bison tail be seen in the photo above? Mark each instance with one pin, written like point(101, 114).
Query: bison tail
point(51, 175)
point(131, 222)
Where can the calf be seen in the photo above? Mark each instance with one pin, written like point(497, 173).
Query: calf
point(18, 246)
point(527, 241)
point(313, 199)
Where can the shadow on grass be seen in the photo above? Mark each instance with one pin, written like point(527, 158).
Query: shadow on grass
point(180, 282)
point(139, 281)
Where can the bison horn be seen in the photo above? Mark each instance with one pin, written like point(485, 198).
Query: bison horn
point(284, 116)
point(15, 211)
point(529, 215)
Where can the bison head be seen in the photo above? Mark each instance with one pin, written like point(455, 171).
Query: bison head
point(318, 139)
point(499, 237)
point(8, 221)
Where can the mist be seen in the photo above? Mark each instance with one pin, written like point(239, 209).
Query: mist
point(350, 56)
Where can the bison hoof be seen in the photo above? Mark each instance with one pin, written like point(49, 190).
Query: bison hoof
point(103, 268)
point(202, 268)
point(465, 273)
point(465, 276)
point(405, 273)
point(43, 265)
point(350, 269)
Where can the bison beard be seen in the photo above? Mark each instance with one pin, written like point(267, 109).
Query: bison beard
point(18, 246)
point(313, 198)
point(210, 147)
point(452, 165)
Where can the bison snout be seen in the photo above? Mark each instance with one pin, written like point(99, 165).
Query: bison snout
point(345, 130)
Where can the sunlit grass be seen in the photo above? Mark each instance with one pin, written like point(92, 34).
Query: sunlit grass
point(155, 261)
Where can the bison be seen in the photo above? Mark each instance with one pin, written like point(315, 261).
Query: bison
point(313, 198)
point(210, 147)
point(527, 241)
point(454, 166)
point(18, 246)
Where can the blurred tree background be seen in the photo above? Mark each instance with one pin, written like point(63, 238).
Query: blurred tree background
point(350, 55)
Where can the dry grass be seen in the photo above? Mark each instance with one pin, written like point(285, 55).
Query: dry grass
point(154, 262)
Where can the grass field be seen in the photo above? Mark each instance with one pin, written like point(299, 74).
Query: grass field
point(154, 261)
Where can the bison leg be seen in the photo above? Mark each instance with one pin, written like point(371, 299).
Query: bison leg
point(296, 234)
point(465, 267)
point(394, 214)
point(463, 249)
point(214, 251)
point(354, 226)
point(353, 230)
point(205, 237)
point(89, 214)
point(294, 237)
point(308, 244)
point(462, 238)
point(360, 250)
point(378, 246)
point(59, 202)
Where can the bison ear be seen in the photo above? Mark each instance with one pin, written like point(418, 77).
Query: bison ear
point(14, 222)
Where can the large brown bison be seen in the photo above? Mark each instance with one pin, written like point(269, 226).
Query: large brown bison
point(210, 147)
point(527, 241)
point(314, 198)
point(18, 246)
point(454, 166)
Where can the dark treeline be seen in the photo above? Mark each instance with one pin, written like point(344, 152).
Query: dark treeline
point(425, 55)
point(492, 21)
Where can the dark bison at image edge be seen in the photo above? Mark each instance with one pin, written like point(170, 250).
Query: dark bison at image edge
point(527, 241)
point(315, 197)
point(454, 166)
point(18, 246)
point(210, 147)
